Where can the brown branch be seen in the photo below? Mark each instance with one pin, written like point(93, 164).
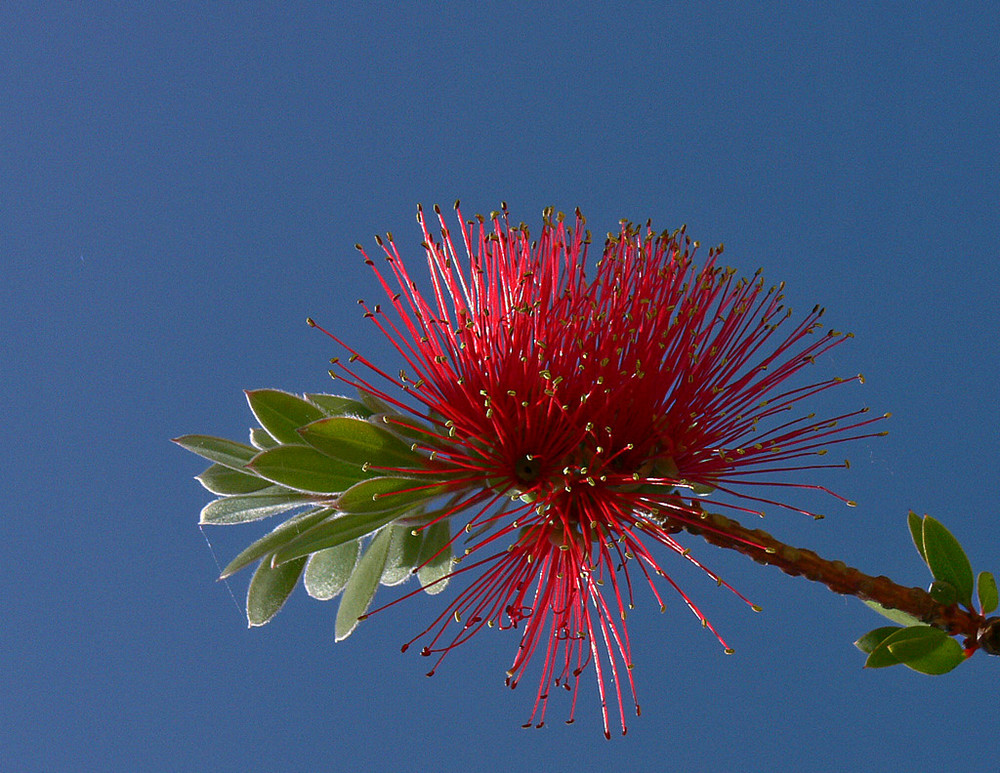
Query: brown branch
point(979, 632)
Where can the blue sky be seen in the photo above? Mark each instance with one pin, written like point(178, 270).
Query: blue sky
point(181, 185)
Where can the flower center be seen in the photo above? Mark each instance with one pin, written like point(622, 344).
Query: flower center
point(527, 469)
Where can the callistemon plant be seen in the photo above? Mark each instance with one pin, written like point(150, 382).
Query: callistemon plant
point(553, 429)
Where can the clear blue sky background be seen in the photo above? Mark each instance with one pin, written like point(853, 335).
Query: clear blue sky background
point(182, 184)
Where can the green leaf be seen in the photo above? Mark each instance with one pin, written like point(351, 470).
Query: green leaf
point(252, 507)
point(335, 405)
point(289, 530)
point(225, 480)
point(216, 449)
point(403, 554)
point(281, 413)
point(987, 593)
point(360, 589)
point(305, 469)
point(359, 442)
point(377, 495)
point(881, 656)
point(872, 639)
point(919, 647)
point(916, 524)
point(332, 533)
point(435, 557)
point(261, 438)
point(269, 588)
point(928, 650)
point(896, 615)
point(914, 641)
point(375, 404)
point(943, 592)
point(947, 560)
point(328, 571)
point(406, 427)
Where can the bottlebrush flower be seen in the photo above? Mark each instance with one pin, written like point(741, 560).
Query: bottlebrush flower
point(574, 422)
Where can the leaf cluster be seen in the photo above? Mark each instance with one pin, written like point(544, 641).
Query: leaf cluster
point(913, 643)
point(358, 493)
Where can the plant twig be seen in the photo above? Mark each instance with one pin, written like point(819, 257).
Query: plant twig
point(979, 632)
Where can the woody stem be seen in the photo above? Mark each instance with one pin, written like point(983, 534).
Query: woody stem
point(979, 632)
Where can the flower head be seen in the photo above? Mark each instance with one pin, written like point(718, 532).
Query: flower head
point(572, 423)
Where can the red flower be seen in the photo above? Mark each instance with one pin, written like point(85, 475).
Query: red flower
point(581, 419)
